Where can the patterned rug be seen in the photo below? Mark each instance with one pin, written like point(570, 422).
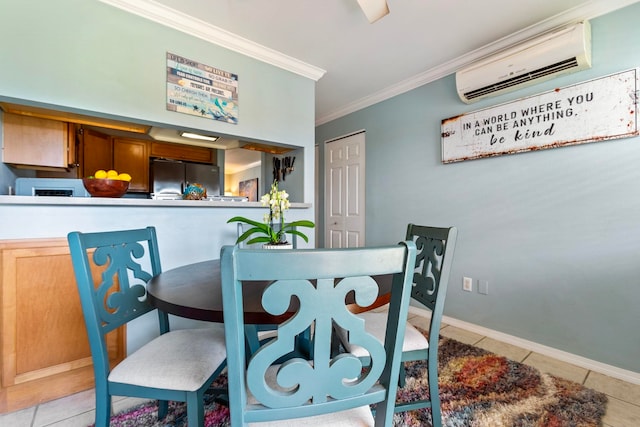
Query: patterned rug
point(477, 389)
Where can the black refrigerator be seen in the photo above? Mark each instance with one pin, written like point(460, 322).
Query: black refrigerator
point(169, 178)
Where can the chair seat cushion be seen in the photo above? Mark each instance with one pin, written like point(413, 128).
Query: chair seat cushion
point(375, 324)
point(178, 360)
point(360, 416)
point(357, 417)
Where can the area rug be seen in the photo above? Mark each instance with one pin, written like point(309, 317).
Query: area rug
point(477, 389)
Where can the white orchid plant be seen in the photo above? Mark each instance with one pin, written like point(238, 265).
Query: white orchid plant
point(278, 203)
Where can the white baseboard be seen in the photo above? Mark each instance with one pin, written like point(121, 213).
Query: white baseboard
point(609, 370)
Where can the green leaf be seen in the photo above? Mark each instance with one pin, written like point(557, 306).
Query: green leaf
point(301, 223)
point(245, 220)
point(297, 233)
point(249, 232)
point(257, 227)
point(269, 235)
point(261, 239)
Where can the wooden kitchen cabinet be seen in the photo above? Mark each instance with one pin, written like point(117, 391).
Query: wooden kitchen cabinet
point(131, 156)
point(183, 152)
point(37, 143)
point(97, 152)
point(101, 151)
point(45, 351)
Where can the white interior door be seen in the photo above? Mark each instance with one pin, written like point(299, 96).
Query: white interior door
point(344, 173)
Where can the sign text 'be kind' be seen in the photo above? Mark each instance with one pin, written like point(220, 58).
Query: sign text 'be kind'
point(596, 110)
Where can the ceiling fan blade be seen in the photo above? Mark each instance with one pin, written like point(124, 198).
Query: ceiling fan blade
point(374, 9)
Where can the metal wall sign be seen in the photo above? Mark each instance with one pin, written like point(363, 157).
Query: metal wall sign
point(595, 110)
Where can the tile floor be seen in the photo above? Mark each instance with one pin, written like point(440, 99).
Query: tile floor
point(623, 409)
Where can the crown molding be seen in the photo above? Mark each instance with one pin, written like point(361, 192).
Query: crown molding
point(195, 27)
point(172, 18)
point(584, 12)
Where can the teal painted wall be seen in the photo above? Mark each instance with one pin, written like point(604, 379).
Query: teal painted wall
point(89, 57)
point(556, 232)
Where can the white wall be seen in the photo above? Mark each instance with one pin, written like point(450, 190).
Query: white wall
point(232, 181)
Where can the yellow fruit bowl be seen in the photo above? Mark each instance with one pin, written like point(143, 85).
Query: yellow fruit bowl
point(105, 187)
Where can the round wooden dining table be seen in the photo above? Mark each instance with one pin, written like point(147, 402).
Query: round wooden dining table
point(194, 291)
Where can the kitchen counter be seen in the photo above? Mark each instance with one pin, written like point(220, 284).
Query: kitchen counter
point(200, 226)
point(131, 202)
point(189, 229)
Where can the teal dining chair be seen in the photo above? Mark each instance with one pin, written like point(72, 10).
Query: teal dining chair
point(261, 333)
point(433, 264)
point(324, 388)
point(111, 270)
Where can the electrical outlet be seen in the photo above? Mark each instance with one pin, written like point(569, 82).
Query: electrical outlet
point(467, 284)
point(483, 287)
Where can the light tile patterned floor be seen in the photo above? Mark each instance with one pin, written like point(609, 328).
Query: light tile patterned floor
point(623, 409)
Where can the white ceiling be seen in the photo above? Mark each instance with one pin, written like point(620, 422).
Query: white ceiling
point(356, 63)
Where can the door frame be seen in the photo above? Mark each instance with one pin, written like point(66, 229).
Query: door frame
point(360, 162)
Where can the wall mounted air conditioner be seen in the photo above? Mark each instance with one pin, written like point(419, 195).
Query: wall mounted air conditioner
point(558, 52)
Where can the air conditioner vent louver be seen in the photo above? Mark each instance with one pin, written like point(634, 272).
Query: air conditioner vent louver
point(536, 74)
point(558, 52)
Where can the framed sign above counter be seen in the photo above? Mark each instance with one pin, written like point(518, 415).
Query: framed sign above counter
point(201, 90)
point(595, 110)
